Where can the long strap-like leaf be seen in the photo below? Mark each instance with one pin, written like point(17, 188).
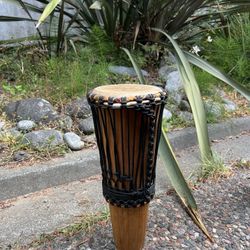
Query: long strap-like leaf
point(48, 9)
point(136, 68)
point(193, 93)
point(14, 19)
point(173, 170)
point(199, 62)
point(178, 182)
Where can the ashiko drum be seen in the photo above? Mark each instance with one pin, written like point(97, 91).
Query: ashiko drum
point(127, 119)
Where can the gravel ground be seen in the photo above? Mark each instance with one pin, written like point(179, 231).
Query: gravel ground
point(225, 208)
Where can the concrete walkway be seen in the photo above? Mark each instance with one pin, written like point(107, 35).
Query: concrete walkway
point(24, 218)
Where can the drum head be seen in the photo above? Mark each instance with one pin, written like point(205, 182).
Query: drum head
point(129, 92)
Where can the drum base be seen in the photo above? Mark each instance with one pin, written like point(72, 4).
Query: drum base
point(129, 226)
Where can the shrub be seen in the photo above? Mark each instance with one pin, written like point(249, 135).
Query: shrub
point(232, 52)
point(56, 78)
point(205, 81)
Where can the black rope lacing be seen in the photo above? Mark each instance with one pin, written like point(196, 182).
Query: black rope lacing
point(128, 138)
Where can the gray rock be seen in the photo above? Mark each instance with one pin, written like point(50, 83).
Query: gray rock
point(43, 138)
point(90, 138)
point(186, 116)
point(73, 141)
point(14, 132)
point(122, 70)
point(65, 122)
point(25, 125)
point(2, 146)
point(175, 98)
point(78, 108)
point(165, 70)
point(172, 107)
point(168, 59)
point(10, 109)
point(214, 108)
point(220, 93)
point(173, 83)
point(2, 124)
point(229, 105)
point(167, 114)
point(184, 106)
point(87, 126)
point(20, 156)
point(158, 84)
point(35, 109)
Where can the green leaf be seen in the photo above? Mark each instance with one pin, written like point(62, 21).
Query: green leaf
point(97, 5)
point(194, 97)
point(137, 29)
point(14, 19)
point(173, 170)
point(136, 67)
point(199, 62)
point(178, 182)
point(48, 9)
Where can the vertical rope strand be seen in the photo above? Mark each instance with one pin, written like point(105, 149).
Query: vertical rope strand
point(122, 149)
point(128, 137)
point(107, 151)
point(112, 121)
point(140, 154)
point(98, 136)
point(128, 145)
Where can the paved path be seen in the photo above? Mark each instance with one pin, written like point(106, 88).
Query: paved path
point(26, 217)
point(225, 208)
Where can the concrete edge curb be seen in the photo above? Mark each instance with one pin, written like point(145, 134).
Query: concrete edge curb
point(15, 182)
point(187, 137)
point(79, 165)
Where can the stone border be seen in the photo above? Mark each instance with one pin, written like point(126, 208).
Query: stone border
point(83, 164)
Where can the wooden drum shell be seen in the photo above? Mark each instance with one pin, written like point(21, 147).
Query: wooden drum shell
point(128, 131)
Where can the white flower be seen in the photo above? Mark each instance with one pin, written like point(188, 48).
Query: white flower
point(196, 50)
point(209, 39)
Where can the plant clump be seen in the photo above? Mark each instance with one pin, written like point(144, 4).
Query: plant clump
point(213, 169)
